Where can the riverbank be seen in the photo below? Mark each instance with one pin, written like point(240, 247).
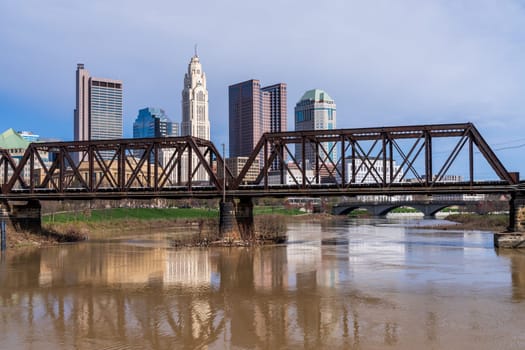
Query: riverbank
point(48, 236)
point(72, 227)
point(489, 222)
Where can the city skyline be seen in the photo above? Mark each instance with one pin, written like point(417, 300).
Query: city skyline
point(385, 64)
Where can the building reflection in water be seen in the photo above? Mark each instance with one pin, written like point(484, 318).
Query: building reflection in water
point(303, 294)
point(517, 267)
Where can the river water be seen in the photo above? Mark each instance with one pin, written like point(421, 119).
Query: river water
point(354, 284)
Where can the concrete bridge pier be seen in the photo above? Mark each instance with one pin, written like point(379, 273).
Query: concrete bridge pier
point(515, 237)
point(227, 218)
point(21, 216)
point(517, 212)
point(244, 216)
point(236, 219)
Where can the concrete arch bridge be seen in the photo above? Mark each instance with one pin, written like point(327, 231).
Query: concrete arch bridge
point(381, 208)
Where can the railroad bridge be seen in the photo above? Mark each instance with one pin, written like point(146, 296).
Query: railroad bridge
point(385, 161)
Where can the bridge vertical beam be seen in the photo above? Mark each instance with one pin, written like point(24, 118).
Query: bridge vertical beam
point(5, 179)
point(263, 166)
point(121, 168)
point(352, 180)
point(428, 158)
point(32, 171)
point(317, 167)
point(179, 165)
point(190, 167)
point(303, 156)
point(62, 175)
point(155, 181)
point(471, 159)
point(284, 167)
point(383, 150)
point(91, 169)
point(343, 161)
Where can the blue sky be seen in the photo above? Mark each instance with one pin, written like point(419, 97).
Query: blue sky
point(384, 62)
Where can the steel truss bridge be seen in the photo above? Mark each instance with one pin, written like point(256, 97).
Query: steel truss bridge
point(395, 160)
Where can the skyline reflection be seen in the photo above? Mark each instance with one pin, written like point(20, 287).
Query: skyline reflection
point(379, 286)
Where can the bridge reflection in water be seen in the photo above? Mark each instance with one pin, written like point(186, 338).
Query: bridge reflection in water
point(382, 286)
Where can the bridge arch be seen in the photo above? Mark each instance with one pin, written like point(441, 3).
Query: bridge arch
point(382, 209)
point(429, 210)
point(347, 209)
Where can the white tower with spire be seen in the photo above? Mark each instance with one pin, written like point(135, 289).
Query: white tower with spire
point(195, 121)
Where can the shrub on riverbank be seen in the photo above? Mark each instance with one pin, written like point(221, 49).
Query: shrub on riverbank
point(270, 227)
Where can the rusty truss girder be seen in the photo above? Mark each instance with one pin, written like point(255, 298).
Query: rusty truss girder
point(368, 155)
point(388, 160)
point(125, 165)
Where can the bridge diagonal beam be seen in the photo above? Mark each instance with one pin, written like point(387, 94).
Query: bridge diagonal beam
point(49, 172)
point(301, 167)
point(9, 164)
point(275, 154)
point(263, 174)
point(202, 160)
point(491, 157)
point(364, 157)
point(407, 160)
point(105, 169)
point(173, 161)
point(50, 175)
point(331, 167)
point(137, 168)
point(76, 170)
point(17, 173)
point(451, 158)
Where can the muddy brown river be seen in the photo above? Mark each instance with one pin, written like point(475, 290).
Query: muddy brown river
point(355, 284)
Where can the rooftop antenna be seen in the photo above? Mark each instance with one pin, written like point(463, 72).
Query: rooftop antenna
point(196, 55)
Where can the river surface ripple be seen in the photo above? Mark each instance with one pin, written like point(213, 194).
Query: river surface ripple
point(354, 284)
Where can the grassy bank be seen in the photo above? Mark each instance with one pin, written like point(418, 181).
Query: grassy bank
point(488, 222)
point(276, 211)
point(116, 214)
point(104, 221)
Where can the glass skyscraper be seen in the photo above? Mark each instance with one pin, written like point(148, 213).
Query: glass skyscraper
point(153, 122)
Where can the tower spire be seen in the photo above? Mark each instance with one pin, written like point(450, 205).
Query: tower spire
point(196, 54)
